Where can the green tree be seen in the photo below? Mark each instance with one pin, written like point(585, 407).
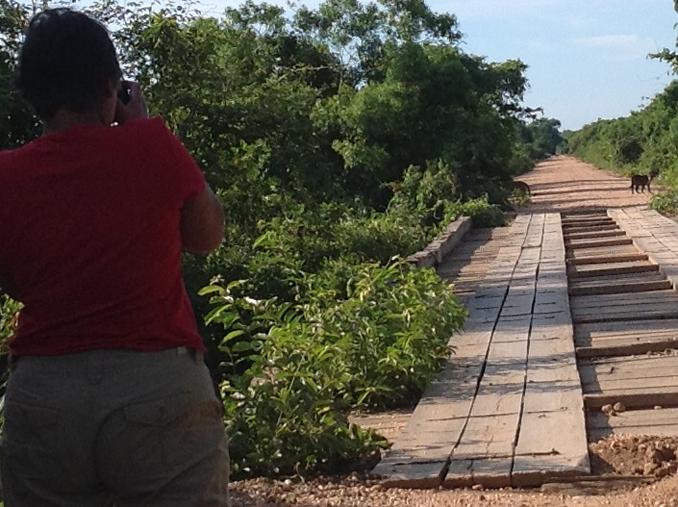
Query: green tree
point(17, 124)
point(543, 137)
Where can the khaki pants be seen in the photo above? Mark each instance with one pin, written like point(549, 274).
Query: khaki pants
point(113, 427)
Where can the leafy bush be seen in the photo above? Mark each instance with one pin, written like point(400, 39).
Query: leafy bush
point(285, 413)
point(379, 237)
point(421, 195)
point(303, 239)
point(523, 160)
point(666, 202)
point(363, 334)
point(520, 198)
point(394, 324)
point(8, 311)
point(484, 213)
point(541, 138)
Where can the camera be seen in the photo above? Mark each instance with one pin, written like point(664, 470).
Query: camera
point(124, 95)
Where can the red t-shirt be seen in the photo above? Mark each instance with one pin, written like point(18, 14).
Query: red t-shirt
point(89, 238)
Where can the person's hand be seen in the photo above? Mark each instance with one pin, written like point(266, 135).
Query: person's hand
point(135, 109)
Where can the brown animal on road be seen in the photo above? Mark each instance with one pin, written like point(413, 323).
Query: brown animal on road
point(522, 186)
point(641, 181)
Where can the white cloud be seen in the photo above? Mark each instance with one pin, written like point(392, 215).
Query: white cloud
point(620, 47)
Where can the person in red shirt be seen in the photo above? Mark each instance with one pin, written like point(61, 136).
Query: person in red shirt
point(108, 399)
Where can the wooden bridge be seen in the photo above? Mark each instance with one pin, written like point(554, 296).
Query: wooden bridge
point(571, 337)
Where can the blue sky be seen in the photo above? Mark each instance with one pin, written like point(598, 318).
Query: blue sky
point(587, 58)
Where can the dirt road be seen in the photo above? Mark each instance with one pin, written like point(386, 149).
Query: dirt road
point(564, 184)
point(559, 184)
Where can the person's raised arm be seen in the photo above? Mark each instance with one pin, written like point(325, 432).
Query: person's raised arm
point(202, 217)
point(202, 223)
point(133, 107)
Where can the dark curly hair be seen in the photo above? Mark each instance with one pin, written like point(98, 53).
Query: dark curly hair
point(67, 61)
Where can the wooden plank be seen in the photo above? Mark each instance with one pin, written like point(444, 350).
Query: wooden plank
point(567, 229)
point(619, 289)
point(630, 257)
point(594, 253)
point(586, 340)
point(571, 235)
point(486, 302)
point(458, 474)
point(663, 297)
point(622, 299)
point(586, 222)
point(412, 475)
point(557, 449)
point(575, 229)
point(535, 231)
point(664, 398)
point(619, 329)
point(486, 451)
point(546, 303)
point(645, 386)
point(520, 306)
point(656, 235)
point(419, 457)
point(569, 219)
point(438, 419)
point(613, 269)
point(585, 215)
point(628, 308)
point(440, 415)
point(644, 422)
point(598, 250)
point(507, 353)
point(625, 313)
point(483, 454)
point(646, 381)
point(628, 368)
point(601, 433)
point(613, 338)
point(589, 243)
point(552, 437)
point(620, 278)
point(643, 361)
point(626, 347)
point(630, 316)
point(552, 440)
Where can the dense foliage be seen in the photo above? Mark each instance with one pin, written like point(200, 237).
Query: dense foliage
point(542, 138)
point(340, 140)
point(362, 334)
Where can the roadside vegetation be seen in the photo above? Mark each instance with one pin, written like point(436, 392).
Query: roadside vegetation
point(340, 140)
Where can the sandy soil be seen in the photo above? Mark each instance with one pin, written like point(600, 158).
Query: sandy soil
point(565, 184)
point(354, 492)
point(559, 184)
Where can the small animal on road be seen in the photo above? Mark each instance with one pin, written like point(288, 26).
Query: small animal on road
point(522, 186)
point(641, 181)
